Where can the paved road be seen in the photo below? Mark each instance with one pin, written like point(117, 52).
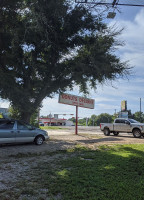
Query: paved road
point(81, 129)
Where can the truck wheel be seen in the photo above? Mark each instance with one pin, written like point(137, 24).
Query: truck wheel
point(137, 133)
point(106, 131)
point(115, 133)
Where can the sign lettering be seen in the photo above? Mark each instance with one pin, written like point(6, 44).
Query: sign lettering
point(76, 101)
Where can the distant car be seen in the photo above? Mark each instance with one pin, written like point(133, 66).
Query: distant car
point(41, 124)
point(16, 131)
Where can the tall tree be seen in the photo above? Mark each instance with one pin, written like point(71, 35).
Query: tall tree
point(139, 116)
point(92, 120)
point(104, 118)
point(49, 46)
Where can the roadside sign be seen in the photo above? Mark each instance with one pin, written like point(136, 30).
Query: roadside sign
point(76, 101)
point(123, 114)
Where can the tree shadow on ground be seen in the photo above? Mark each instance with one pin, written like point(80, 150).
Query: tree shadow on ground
point(110, 173)
point(98, 140)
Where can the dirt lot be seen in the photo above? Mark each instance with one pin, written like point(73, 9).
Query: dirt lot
point(66, 138)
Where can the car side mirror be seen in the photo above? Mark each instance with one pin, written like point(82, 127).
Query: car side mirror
point(127, 122)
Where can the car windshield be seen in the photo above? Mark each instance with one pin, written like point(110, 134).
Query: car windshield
point(133, 121)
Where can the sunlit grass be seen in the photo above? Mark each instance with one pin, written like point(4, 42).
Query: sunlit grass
point(51, 128)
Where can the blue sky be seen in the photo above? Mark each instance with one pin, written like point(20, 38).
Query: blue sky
point(108, 97)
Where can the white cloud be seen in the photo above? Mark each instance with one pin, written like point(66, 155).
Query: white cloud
point(4, 104)
point(139, 18)
point(108, 98)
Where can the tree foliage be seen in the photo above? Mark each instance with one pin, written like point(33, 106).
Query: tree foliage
point(73, 119)
point(82, 121)
point(92, 120)
point(16, 114)
point(49, 46)
point(139, 116)
point(102, 118)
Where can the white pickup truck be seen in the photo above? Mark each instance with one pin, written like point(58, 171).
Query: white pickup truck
point(123, 125)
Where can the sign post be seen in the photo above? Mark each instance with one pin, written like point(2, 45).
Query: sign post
point(76, 126)
point(78, 102)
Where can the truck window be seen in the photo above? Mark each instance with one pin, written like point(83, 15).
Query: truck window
point(117, 121)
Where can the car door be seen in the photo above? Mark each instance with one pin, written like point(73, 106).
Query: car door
point(117, 125)
point(7, 131)
point(25, 132)
point(126, 126)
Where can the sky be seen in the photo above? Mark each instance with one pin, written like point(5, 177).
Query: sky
point(108, 97)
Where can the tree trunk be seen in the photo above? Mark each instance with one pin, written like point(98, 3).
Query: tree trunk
point(25, 116)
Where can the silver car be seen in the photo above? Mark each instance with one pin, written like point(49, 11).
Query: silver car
point(15, 131)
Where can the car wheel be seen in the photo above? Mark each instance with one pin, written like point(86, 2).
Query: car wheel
point(137, 133)
point(115, 133)
point(106, 131)
point(39, 140)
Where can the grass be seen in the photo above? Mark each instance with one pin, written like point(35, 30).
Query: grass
point(51, 128)
point(109, 173)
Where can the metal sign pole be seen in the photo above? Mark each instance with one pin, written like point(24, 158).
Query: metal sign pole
point(76, 125)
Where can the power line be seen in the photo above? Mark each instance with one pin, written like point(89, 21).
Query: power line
point(113, 3)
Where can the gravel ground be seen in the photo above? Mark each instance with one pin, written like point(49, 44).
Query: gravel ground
point(65, 138)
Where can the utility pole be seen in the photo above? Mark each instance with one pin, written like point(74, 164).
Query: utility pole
point(115, 111)
point(86, 121)
point(140, 109)
point(93, 122)
point(50, 116)
point(76, 125)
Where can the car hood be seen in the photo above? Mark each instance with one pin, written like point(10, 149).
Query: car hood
point(41, 131)
point(138, 124)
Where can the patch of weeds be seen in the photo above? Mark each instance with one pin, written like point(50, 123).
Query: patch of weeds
point(80, 148)
point(105, 148)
